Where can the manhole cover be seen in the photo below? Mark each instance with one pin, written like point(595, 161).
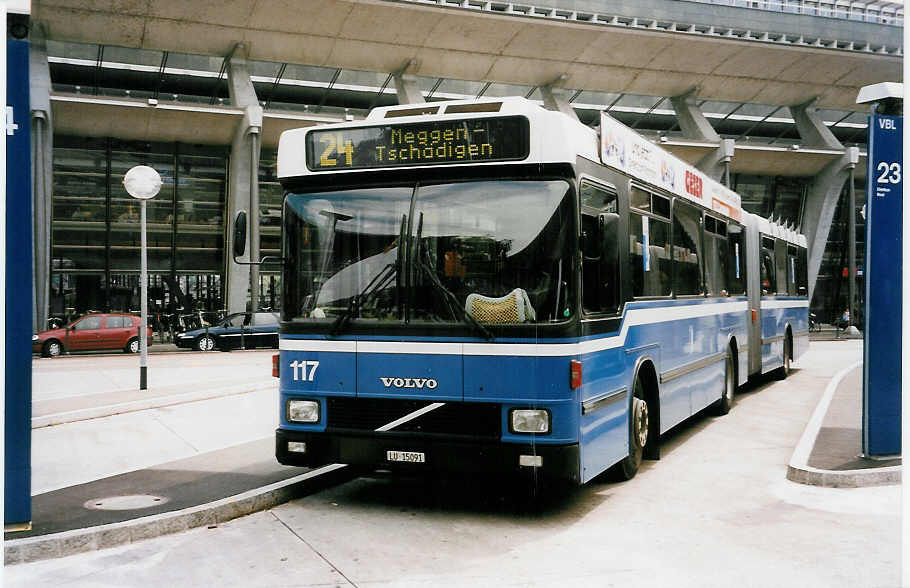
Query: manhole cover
point(130, 502)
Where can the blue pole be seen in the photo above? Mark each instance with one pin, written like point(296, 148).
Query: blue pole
point(19, 292)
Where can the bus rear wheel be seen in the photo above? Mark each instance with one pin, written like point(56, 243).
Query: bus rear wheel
point(783, 371)
point(723, 406)
point(639, 433)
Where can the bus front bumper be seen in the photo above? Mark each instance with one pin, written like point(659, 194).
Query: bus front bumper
point(552, 461)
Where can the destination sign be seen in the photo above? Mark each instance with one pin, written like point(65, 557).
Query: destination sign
point(425, 143)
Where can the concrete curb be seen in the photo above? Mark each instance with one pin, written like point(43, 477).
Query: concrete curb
point(799, 470)
point(31, 549)
point(95, 412)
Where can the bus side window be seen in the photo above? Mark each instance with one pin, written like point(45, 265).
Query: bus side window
point(791, 270)
point(600, 245)
point(802, 277)
point(649, 258)
point(687, 252)
point(717, 257)
point(780, 259)
point(736, 268)
point(768, 277)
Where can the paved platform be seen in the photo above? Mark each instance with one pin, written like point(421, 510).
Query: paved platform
point(184, 462)
point(830, 450)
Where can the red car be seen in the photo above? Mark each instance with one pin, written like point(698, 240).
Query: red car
point(90, 333)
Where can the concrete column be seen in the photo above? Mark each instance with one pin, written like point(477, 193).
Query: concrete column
point(42, 174)
point(692, 121)
point(821, 202)
point(695, 127)
point(408, 89)
point(556, 99)
point(812, 130)
point(243, 189)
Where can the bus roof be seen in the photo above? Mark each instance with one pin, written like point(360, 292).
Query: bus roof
point(553, 137)
point(773, 229)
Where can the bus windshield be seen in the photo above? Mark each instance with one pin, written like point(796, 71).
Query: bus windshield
point(481, 252)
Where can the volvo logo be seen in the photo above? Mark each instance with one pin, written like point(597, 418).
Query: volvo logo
point(419, 383)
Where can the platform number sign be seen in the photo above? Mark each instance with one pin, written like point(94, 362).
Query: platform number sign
point(884, 237)
point(887, 157)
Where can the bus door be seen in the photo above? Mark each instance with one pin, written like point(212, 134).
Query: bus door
point(603, 431)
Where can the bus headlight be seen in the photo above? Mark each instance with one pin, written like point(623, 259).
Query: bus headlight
point(303, 411)
point(526, 420)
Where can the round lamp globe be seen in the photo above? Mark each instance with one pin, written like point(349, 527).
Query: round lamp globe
point(142, 182)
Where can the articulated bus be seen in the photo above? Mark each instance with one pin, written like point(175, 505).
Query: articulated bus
point(489, 286)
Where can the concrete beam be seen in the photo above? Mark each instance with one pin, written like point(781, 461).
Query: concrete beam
point(692, 121)
point(821, 202)
point(408, 89)
point(243, 187)
point(812, 130)
point(42, 174)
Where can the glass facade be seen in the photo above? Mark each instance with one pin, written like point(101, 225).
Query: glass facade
point(270, 199)
point(96, 227)
point(832, 288)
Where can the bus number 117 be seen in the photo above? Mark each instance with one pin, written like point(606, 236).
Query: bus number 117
point(300, 370)
point(336, 144)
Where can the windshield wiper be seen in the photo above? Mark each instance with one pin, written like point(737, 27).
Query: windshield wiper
point(358, 301)
point(376, 284)
point(423, 262)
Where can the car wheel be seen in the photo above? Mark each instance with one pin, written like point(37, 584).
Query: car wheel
point(132, 346)
point(53, 348)
point(205, 343)
point(639, 433)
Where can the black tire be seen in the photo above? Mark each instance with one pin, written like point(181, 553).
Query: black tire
point(640, 433)
point(783, 371)
point(205, 343)
point(132, 346)
point(52, 348)
point(723, 406)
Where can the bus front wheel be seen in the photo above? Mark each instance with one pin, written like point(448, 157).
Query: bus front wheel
point(639, 433)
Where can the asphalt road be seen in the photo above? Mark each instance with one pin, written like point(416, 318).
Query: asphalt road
point(716, 510)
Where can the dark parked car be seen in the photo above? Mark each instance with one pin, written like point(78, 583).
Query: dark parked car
point(246, 328)
point(89, 333)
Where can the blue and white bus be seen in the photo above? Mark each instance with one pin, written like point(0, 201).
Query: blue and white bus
point(490, 286)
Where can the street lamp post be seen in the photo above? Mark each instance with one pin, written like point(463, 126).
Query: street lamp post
point(143, 183)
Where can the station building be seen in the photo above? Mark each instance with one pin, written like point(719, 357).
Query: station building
point(759, 94)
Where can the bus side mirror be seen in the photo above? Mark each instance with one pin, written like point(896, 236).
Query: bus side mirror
point(240, 233)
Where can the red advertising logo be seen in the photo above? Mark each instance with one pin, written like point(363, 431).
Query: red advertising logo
point(694, 184)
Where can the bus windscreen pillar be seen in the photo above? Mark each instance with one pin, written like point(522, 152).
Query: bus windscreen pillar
point(884, 240)
point(17, 257)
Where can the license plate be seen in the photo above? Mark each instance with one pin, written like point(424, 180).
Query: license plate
point(406, 456)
